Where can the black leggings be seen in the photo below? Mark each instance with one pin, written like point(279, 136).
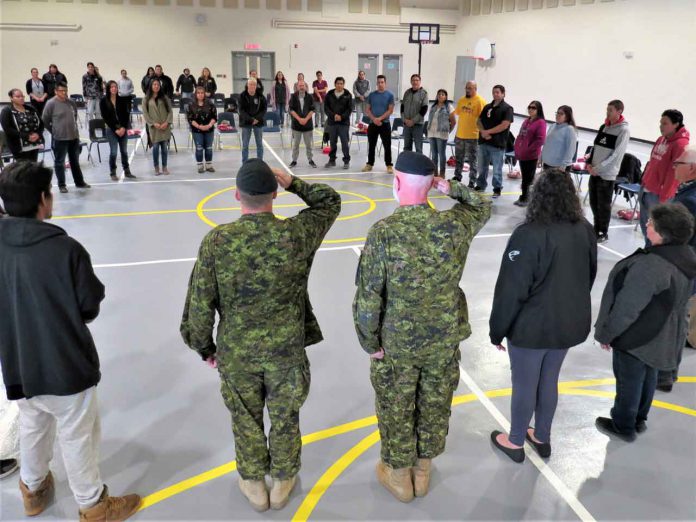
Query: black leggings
point(528, 169)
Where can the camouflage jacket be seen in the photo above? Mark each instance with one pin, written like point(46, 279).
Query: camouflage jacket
point(253, 273)
point(408, 299)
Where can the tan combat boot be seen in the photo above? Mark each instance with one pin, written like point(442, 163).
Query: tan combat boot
point(35, 502)
point(256, 493)
point(280, 492)
point(397, 481)
point(421, 477)
point(111, 509)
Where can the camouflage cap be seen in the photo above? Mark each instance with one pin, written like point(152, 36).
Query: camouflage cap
point(410, 162)
point(256, 178)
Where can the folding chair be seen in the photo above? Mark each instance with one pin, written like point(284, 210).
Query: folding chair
point(135, 109)
point(396, 135)
point(273, 126)
point(183, 109)
point(219, 100)
point(5, 155)
point(97, 135)
point(224, 119)
point(359, 133)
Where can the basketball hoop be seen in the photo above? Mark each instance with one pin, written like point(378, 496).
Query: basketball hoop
point(423, 34)
point(427, 42)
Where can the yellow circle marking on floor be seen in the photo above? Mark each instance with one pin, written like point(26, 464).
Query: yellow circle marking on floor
point(336, 469)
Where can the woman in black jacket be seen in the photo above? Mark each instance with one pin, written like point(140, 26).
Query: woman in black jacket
point(23, 128)
point(202, 116)
point(207, 81)
point(36, 90)
point(145, 83)
point(550, 261)
point(114, 110)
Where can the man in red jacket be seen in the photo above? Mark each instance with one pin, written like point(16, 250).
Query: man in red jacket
point(659, 184)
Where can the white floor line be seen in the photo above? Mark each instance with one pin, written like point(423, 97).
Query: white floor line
point(619, 254)
point(357, 250)
point(560, 487)
point(192, 259)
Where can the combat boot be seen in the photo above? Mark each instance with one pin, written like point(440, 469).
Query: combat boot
point(35, 502)
point(397, 481)
point(280, 492)
point(256, 493)
point(421, 477)
point(111, 509)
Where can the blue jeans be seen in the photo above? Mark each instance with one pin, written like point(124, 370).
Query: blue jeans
point(647, 201)
point(156, 148)
point(635, 388)
point(204, 141)
point(414, 134)
point(116, 143)
point(486, 155)
point(258, 138)
point(281, 113)
point(534, 390)
point(438, 152)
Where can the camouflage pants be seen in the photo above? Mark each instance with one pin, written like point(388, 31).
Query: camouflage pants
point(283, 392)
point(413, 403)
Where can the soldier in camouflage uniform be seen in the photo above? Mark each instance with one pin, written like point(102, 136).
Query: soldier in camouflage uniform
point(410, 315)
point(253, 273)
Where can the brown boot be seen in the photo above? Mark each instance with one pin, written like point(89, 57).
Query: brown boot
point(280, 492)
point(421, 477)
point(397, 481)
point(111, 509)
point(256, 493)
point(35, 502)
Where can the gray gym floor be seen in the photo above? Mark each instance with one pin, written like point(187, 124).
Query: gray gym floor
point(167, 434)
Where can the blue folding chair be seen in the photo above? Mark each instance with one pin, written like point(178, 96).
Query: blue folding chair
point(227, 118)
point(273, 126)
point(359, 133)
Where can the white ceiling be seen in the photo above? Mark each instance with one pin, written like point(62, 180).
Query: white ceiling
point(431, 4)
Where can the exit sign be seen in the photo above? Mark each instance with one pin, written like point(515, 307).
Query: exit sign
point(252, 46)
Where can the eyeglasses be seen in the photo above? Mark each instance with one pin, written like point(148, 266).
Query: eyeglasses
point(675, 163)
point(531, 108)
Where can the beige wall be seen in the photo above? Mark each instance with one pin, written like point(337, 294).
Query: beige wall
point(131, 36)
point(574, 55)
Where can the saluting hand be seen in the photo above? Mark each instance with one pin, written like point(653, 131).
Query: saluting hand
point(442, 185)
point(379, 355)
point(211, 362)
point(284, 179)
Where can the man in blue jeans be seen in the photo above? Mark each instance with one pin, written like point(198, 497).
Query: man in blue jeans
point(252, 116)
point(494, 124)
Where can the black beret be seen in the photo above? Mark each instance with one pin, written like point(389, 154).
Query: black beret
point(410, 162)
point(256, 178)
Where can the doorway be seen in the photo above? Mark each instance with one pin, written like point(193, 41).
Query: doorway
point(370, 64)
point(391, 68)
point(245, 61)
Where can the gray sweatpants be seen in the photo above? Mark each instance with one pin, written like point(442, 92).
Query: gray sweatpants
point(534, 390)
point(297, 136)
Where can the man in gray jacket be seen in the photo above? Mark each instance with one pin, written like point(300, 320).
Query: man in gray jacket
point(361, 88)
point(642, 316)
point(604, 164)
point(414, 107)
point(60, 118)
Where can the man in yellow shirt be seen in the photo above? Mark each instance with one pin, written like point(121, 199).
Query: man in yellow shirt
point(468, 110)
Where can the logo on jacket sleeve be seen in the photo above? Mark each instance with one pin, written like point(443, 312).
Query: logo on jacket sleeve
point(512, 254)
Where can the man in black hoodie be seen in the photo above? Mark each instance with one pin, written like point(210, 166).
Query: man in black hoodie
point(338, 106)
point(48, 292)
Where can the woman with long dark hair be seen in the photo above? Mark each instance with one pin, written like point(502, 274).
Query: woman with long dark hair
point(280, 96)
point(550, 261)
point(157, 110)
point(145, 83)
point(116, 113)
point(440, 122)
point(561, 140)
point(202, 115)
point(23, 128)
point(528, 147)
point(207, 81)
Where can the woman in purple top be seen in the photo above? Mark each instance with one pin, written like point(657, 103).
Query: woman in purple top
point(528, 147)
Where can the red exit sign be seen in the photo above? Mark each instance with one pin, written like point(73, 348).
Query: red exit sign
point(252, 46)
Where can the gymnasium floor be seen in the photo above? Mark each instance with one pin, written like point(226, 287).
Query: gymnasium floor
point(167, 434)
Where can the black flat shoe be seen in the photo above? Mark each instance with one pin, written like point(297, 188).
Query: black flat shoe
point(665, 387)
point(606, 425)
point(542, 448)
point(515, 454)
point(641, 426)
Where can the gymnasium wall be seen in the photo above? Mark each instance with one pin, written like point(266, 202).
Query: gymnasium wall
point(574, 54)
point(132, 36)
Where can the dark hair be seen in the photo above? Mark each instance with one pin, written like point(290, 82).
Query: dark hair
point(499, 87)
point(381, 76)
point(53, 65)
point(158, 65)
point(539, 108)
point(124, 71)
point(554, 199)
point(617, 104)
point(675, 116)
point(90, 63)
point(339, 79)
point(318, 72)
point(673, 222)
point(61, 85)
point(11, 91)
point(158, 97)
point(568, 111)
point(21, 186)
point(276, 77)
point(415, 75)
point(108, 87)
point(151, 68)
point(443, 91)
point(34, 69)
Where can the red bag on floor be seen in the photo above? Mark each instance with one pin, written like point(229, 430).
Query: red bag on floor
point(225, 127)
point(326, 150)
point(628, 215)
point(451, 162)
point(514, 174)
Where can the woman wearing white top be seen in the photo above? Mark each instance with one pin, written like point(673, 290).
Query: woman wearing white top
point(441, 121)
